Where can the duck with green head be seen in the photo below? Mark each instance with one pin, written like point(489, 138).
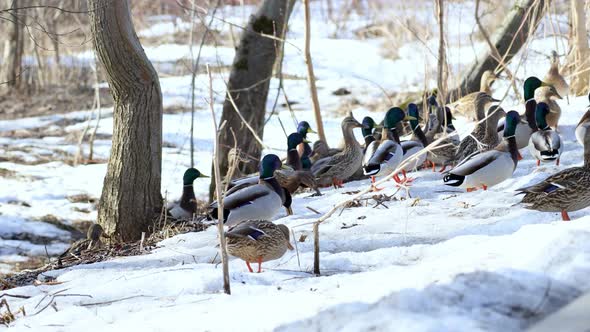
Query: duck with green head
point(488, 168)
point(187, 206)
point(545, 143)
point(258, 241)
point(367, 130)
point(259, 201)
point(304, 149)
point(564, 191)
point(383, 156)
point(414, 145)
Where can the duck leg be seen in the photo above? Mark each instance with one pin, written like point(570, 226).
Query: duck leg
point(443, 169)
point(337, 183)
point(557, 162)
point(406, 178)
point(538, 162)
point(259, 264)
point(519, 156)
point(565, 216)
point(472, 189)
point(249, 267)
point(484, 187)
point(373, 187)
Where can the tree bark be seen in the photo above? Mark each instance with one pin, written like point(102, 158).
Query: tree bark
point(248, 83)
point(441, 81)
point(579, 51)
point(516, 28)
point(131, 195)
point(13, 47)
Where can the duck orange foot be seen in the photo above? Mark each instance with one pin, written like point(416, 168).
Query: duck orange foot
point(565, 216)
point(249, 267)
point(337, 183)
point(373, 186)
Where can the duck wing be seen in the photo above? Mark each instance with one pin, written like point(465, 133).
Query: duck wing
point(475, 162)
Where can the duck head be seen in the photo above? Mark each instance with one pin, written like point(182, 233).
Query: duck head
point(413, 115)
point(285, 230)
point(393, 116)
point(530, 85)
point(350, 122)
point(190, 175)
point(295, 139)
point(269, 164)
point(512, 120)
point(304, 128)
point(495, 113)
point(368, 126)
point(541, 112)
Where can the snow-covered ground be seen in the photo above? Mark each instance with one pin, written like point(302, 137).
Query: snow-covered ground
point(442, 260)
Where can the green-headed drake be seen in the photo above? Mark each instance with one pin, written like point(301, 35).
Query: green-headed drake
point(383, 156)
point(260, 201)
point(367, 130)
point(257, 241)
point(187, 206)
point(338, 168)
point(416, 144)
point(545, 143)
point(488, 168)
point(304, 149)
point(565, 191)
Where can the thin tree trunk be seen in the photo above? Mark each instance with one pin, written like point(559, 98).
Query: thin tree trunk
point(441, 81)
point(520, 22)
point(310, 75)
point(191, 43)
point(131, 195)
point(13, 47)
point(248, 83)
point(580, 50)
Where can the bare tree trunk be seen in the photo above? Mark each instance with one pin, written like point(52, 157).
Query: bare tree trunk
point(131, 193)
point(441, 81)
point(13, 47)
point(518, 25)
point(580, 53)
point(249, 81)
point(310, 75)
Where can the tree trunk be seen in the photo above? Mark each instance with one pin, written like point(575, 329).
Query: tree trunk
point(519, 24)
point(249, 81)
point(579, 50)
point(131, 195)
point(13, 47)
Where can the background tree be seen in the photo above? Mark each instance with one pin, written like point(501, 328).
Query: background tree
point(13, 45)
point(249, 81)
point(579, 53)
point(131, 193)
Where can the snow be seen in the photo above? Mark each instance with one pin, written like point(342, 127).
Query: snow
point(440, 260)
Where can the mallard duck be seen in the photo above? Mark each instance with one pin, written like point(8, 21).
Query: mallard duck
point(293, 159)
point(545, 144)
point(488, 168)
point(468, 104)
point(484, 136)
point(583, 126)
point(367, 130)
point(92, 241)
point(444, 153)
point(259, 201)
point(321, 150)
point(545, 94)
point(187, 206)
point(258, 241)
point(414, 145)
point(383, 156)
point(525, 128)
point(336, 169)
point(304, 149)
point(565, 191)
point(553, 77)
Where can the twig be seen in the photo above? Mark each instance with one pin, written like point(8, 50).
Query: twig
point(113, 301)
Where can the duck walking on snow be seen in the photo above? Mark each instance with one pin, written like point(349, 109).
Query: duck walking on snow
point(488, 168)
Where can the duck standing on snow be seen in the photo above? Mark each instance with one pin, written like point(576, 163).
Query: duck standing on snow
point(553, 77)
point(187, 206)
point(488, 168)
point(383, 156)
point(484, 136)
point(336, 169)
point(545, 144)
point(259, 201)
point(583, 125)
point(367, 130)
point(565, 191)
point(525, 128)
point(258, 241)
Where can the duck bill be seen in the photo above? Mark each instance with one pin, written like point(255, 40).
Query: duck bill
point(306, 141)
point(289, 211)
point(290, 246)
point(311, 131)
point(558, 95)
point(204, 176)
point(409, 118)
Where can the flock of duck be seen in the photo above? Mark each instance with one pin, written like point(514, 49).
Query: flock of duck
point(486, 157)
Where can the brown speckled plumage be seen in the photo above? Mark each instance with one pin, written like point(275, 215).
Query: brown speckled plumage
point(466, 105)
point(484, 136)
point(554, 78)
point(565, 191)
point(258, 241)
point(546, 94)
